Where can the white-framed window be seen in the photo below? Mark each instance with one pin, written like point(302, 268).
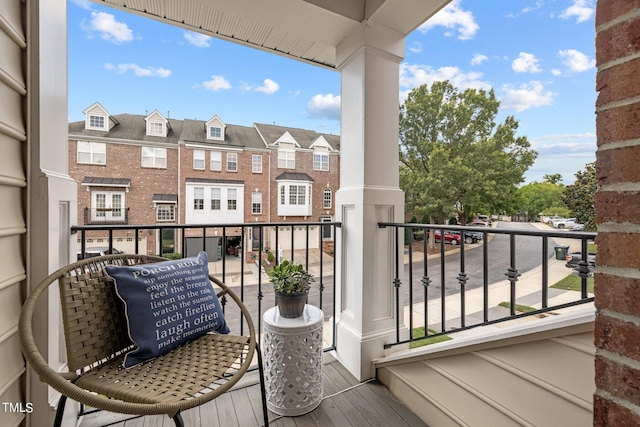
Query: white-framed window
point(198, 159)
point(155, 128)
point(107, 206)
point(326, 198)
point(297, 195)
point(154, 157)
point(320, 162)
point(256, 163)
point(215, 164)
point(165, 212)
point(198, 198)
point(232, 162)
point(92, 152)
point(97, 122)
point(286, 159)
point(295, 198)
point(215, 132)
point(256, 202)
point(216, 197)
point(232, 199)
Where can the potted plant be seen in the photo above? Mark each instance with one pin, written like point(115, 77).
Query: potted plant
point(291, 283)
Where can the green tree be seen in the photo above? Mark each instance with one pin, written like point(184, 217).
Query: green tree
point(580, 197)
point(536, 197)
point(554, 178)
point(454, 158)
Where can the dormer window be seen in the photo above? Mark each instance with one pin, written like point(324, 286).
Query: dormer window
point(215, 129)
point(215, 132)
point(97, 118)
point(96, 122)
point(156, 128)
point(157, 125)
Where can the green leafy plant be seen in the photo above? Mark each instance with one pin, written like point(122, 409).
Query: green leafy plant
point(289, 278)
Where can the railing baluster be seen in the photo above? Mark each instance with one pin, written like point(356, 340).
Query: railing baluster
point(425, 282)
point(462, 279)
point(512, 273)
point(443, 286)
point(396, 283)
point(545, 271)
point(485, 276)
point(410, 282)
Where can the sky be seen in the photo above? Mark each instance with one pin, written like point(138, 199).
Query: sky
point(537, 55)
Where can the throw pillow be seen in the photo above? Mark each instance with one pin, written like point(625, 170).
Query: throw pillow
point(167, 304)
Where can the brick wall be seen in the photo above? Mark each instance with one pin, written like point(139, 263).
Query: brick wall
point(617, 285)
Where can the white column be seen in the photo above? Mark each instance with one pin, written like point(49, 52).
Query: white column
point(369, 193)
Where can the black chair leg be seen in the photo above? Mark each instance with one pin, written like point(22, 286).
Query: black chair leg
point(177, 418)
point(263, 391)
point(60, 411)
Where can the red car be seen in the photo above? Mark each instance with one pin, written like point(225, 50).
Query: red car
point(449, 237)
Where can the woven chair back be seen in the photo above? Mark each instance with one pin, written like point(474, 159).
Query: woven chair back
point(94, 322)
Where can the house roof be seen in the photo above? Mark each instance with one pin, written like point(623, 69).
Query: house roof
point(294, 176)
point(165, 198)
point(194, 131)
point(130, 127)
point(304, 137)
point(106, 182)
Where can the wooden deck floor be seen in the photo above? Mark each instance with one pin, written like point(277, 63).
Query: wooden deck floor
point(346, 403)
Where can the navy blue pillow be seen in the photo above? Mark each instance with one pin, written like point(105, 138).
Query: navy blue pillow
point(167, 304)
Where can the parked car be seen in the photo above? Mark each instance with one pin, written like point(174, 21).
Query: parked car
point(577, 227)
point(470, 236)
point(479, 223)
point(484, 218)
point(551, 219)
point(449, 237)
point(574, 258)
point(97, 251)
point(565, 223)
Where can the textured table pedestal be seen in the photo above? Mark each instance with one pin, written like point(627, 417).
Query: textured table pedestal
point(293, 361)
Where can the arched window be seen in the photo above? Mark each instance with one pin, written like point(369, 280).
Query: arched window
point(326, 198)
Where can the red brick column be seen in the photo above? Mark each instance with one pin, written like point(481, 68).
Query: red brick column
point(617, 289)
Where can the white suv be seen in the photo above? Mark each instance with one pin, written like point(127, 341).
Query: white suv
point(97, 251)
point(569, 222)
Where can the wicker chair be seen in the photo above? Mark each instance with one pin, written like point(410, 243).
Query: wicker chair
point(96, 340)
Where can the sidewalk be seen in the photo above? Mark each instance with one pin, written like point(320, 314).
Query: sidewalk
point(528, 292)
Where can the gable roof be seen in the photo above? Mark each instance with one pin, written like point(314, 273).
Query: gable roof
point(130, 127)
point(304, 137)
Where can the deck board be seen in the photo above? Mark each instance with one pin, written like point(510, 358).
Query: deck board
point(369, 404)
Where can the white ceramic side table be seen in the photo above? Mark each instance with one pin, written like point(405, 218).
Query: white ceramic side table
point(293, 361)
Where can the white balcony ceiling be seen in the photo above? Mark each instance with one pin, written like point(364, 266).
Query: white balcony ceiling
point(307, 30)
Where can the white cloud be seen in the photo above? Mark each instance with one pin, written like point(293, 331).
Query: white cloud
point(139, 71)
point(455, 18)
point(84, 4)
point(478, 59)
point(217, 83)
point(416, 47)
point(325, 106)
point(110, 29)
point(527, 95)
point(532, 8)
point(526, 63)
point(581, 9)
point(197, 39)
point(413, 75)
point(576, 60)
point(268, 87)
point(556, 72)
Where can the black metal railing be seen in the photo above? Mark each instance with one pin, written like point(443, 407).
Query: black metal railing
point(106, 215)
point(240, 253)
point(500, 253)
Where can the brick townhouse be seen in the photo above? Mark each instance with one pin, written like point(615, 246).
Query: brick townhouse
point(153, 170)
